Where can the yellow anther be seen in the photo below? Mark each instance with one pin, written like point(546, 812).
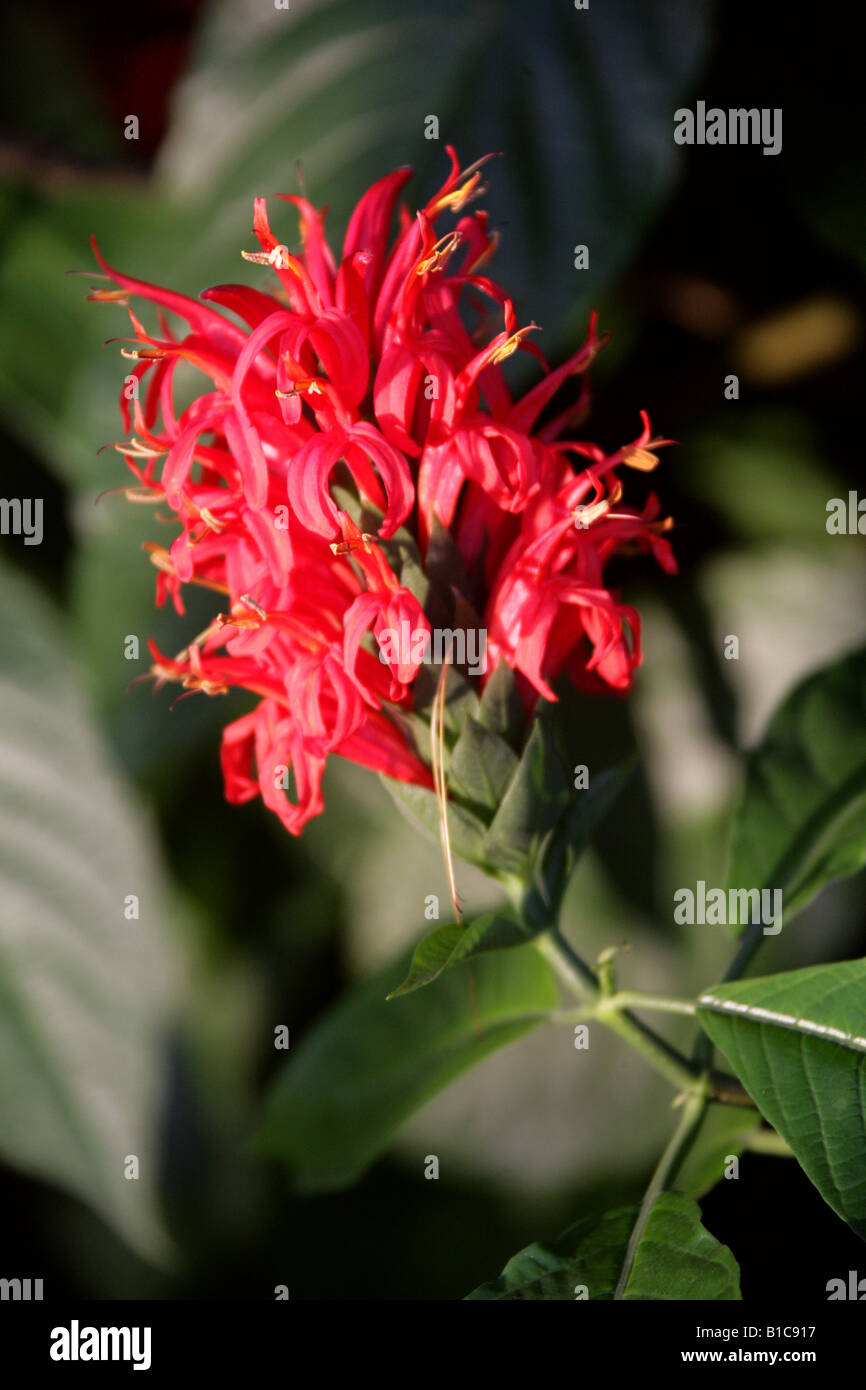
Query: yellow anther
point(279, 258)
point(251, 603)
point(511, 343)
point(439, 254)
point(109, 297)
point(137, 449)
point(143, 495)
point(641, 459)
point(346, 547)
point(457, 199)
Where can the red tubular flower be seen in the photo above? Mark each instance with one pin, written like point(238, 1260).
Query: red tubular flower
point(357, 384)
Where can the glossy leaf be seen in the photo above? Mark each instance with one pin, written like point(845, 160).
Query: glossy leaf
point(797, 1041)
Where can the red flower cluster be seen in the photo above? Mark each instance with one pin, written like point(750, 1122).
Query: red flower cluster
point(366, 369)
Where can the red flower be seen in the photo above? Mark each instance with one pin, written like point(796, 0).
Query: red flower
point(362, 380)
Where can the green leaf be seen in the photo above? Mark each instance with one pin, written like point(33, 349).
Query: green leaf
point(723, 1135)
point(371, 1063)
point(797, 1041)
point(481, 767)
point(501, 706)
point(568, 839)
point(536, 797)
point(461, 700)
point(449, 945)
point(677, 1259)
point(85, 994)
point(604, 736)
point(802, 820)
point(421, 808)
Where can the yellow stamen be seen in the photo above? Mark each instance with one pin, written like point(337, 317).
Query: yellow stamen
point(144, 495)
point(511, 343)
point(641, 459)
point(109, 297)
point(236, 620)
point(457, 199)
point(251, 603)
point(136, 449)
point(279, 258)
point(439, 254)
point(206, 687)
point(584, 516)
point(210, 520)
point(346, 547)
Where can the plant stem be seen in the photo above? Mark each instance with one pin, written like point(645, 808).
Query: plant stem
point(633, 999)
point(582, 980)
point(659, 1053)
point(665, 1174)
point(615, 1012)
point(569, 966)
point(749, 943)
point(767, 1141)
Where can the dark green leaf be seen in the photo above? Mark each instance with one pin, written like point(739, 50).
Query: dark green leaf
point(460, 698)
point(85, 993)
point(449, 945)
point(797, 1041)
point(802, 820)
point(536, 797)
point(603, 736)
point(466, 831)
point(568, 839)
point(481, 767)
point(677, 1259)
point(502, 709)
point(372, 1062)
point(723, 1135)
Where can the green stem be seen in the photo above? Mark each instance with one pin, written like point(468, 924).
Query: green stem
point(614, 1011)
point(767, 1141)
point(749, 943)
point(571, 968)
point(659, 1053)
point(584, 984)
point(665, 1174)
point(633, 999)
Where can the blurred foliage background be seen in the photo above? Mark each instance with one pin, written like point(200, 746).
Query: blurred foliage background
point(156, 1037)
